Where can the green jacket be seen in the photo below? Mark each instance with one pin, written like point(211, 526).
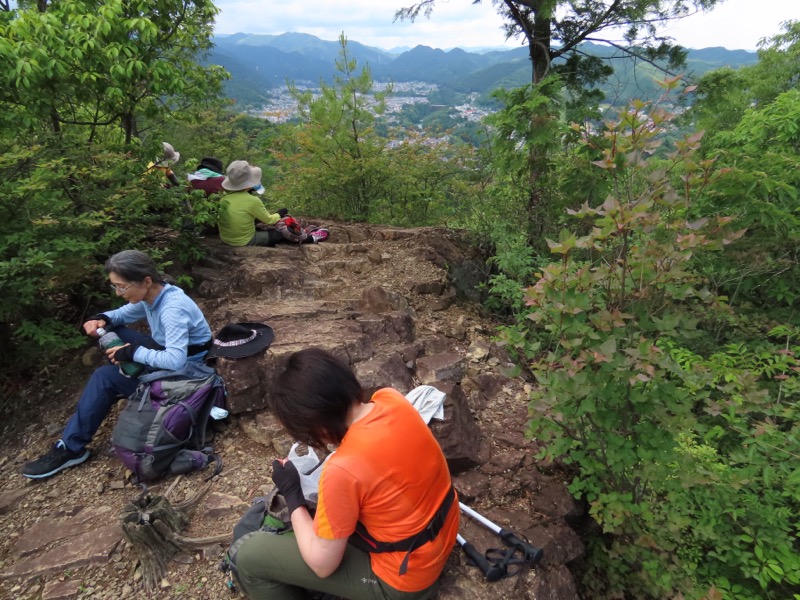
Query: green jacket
point(237, 215)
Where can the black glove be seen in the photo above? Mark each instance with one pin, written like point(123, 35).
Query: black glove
point(101, 317)
point(125, 353)
point(287, 479)
point(282, 212)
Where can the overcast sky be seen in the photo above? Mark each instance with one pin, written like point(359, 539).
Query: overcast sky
point(734, 24)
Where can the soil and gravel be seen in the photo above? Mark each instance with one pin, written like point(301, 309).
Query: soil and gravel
point(356, 258)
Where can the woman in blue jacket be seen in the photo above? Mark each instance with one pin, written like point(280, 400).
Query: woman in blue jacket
point(178, 333)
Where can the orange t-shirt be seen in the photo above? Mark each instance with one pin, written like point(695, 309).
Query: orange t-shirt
point(389, 473)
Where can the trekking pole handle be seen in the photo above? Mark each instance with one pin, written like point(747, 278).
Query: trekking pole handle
point(490, 571)
point(533, 555)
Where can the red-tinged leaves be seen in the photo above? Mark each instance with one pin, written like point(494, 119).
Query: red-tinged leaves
point(699, 224)
point(605, 163)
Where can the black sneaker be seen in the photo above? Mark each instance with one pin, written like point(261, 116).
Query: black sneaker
point(58, 459)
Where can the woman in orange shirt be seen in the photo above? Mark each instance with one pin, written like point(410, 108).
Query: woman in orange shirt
point(387, 515)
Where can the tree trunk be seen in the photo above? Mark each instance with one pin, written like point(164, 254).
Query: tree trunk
point(151, 525)
point(539, 49)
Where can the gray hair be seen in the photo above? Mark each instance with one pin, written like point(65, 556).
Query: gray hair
point(134, 266)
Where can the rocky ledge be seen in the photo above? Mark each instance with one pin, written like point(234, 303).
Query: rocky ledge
point(397, 304)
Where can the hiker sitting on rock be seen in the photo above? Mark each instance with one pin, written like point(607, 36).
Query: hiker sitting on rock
point(241, 209)
point(163, 164)
point(179, 333)
point(208, 177)
point(388, 480)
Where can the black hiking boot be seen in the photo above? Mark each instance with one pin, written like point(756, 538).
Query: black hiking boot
point(57, 459)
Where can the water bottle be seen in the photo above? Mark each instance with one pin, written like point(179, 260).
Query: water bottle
point(109, 339)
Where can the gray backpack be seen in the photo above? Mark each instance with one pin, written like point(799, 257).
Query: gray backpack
point(162, 429)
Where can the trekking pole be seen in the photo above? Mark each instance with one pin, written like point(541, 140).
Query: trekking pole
point(491, 571)
point(532, 554)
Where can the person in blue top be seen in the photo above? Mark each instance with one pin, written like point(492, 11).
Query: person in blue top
point(178, 333)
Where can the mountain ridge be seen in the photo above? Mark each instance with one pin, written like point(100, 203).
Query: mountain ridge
point(259, 63)
point(396, 50)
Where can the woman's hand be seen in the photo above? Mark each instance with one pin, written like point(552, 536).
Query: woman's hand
point(120, 354)
point(90, 327)
point(286, 477)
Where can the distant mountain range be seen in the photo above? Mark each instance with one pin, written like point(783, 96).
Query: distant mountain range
point(259, 63)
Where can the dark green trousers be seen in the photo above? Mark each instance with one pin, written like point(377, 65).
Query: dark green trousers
point(270, 567)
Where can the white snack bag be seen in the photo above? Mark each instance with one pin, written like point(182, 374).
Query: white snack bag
point(310, 469)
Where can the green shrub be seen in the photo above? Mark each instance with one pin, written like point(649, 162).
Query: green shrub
point(63, 210)
point(687, 457)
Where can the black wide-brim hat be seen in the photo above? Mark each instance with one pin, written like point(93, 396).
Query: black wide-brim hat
point(240, 340)
point(212, 164)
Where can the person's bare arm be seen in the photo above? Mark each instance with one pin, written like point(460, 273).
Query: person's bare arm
point(321, 555)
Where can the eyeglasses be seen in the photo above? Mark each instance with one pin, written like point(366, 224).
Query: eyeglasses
point(121, 290)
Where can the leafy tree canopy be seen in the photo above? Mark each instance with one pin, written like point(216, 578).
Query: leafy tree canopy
point(94, 64)
point(724, 95)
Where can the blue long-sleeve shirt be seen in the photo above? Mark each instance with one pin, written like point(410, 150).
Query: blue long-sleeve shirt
point(175, 321)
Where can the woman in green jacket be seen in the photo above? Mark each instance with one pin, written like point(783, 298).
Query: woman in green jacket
point(241, 209)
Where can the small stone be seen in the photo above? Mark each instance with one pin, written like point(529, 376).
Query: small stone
point(209, 552)
point(127, 591)
point(165, 585)
point(117, 485)
point(478, 350)
point(458, 331)
point(100, 488)
point(91, 356)
point(183, 559)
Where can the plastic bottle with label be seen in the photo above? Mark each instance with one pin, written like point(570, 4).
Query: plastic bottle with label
point(109, 339)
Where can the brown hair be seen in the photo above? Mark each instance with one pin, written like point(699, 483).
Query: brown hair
point(313, 396)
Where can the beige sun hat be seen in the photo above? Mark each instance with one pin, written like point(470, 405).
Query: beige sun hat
point(241, 176)
point(170, 157)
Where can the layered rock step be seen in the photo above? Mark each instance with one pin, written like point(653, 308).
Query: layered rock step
point(396, 304)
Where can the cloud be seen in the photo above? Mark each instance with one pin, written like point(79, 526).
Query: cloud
point(733, 24)
point(455, 23)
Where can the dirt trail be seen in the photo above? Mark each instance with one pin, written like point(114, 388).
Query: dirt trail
point(394, 302)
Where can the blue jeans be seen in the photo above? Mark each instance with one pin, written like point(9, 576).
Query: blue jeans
point(105, 387)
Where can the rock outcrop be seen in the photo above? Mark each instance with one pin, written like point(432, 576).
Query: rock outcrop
point(396, 304)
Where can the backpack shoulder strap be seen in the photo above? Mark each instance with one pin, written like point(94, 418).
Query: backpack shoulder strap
point(215, 397)
point(363, 540)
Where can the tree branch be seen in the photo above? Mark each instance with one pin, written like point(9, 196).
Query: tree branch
point(631, 52)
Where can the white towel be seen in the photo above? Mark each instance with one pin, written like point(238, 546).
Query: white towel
point(428, 401)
